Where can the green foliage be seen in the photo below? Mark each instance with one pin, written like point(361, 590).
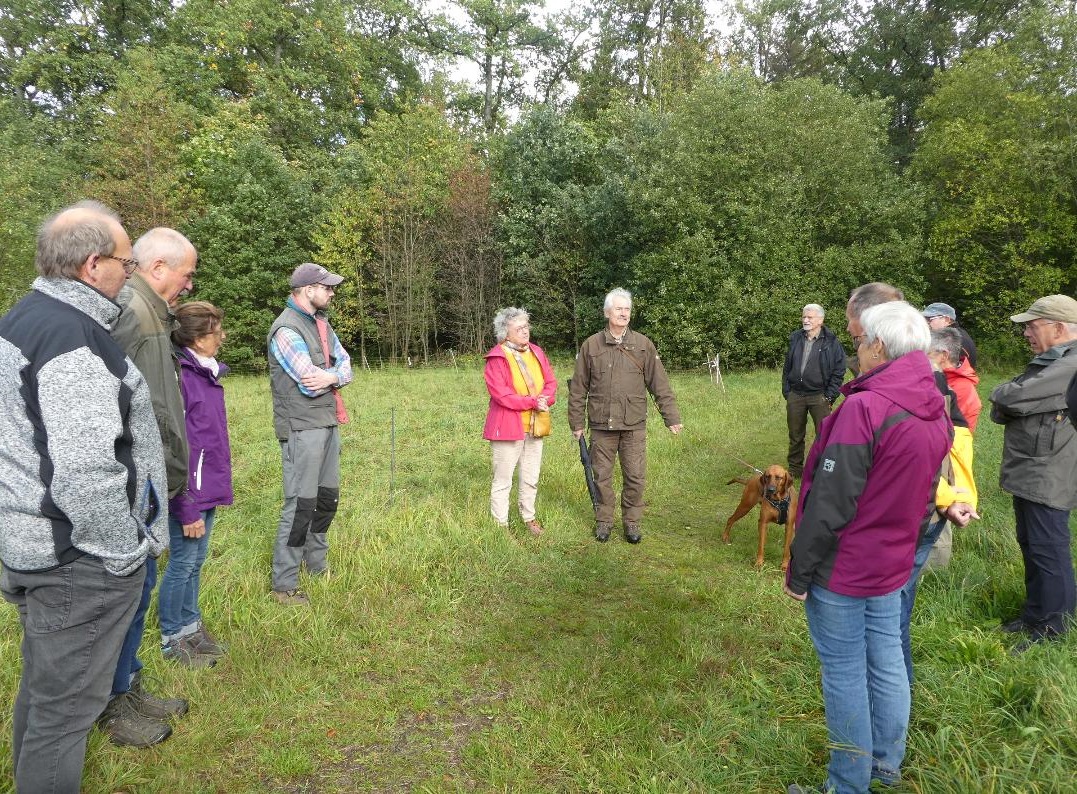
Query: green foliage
point(998, 153)
point(35, 179)
point(252, 226)
point(755, 200)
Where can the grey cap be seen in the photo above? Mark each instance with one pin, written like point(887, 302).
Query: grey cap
point(939, 310)
point(1060, 308)
point(309, 273)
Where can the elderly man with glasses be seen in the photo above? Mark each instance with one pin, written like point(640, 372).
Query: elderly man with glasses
point(83, 480)
point(1039, 458)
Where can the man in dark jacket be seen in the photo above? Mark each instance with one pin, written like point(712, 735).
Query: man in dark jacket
point(813, 371)
point(1039, 458)
point(615, 369)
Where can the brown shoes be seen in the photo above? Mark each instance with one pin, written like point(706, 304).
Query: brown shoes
point(295, 598)
point(534, 527)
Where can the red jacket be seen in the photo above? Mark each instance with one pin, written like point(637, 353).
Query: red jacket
point(963, 380)
point(503, 418)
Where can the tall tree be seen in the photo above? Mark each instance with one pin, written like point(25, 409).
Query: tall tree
point(1000, 157)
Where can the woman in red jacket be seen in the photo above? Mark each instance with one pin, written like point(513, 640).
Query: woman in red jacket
point(522, 388)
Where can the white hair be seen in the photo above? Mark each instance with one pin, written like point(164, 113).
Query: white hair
point(614, 294)
point(504, 317)
point(162, 243)
point(813, 308)
point(900, 327)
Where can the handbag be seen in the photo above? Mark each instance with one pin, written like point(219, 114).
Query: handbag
point(541, 425)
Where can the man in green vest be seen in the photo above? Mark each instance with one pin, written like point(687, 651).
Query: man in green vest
point(307, 368)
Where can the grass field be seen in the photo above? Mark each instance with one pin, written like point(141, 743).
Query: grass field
point(447, 655)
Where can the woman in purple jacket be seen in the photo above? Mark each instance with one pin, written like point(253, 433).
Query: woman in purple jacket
point(197, 337)
point(522, 387)
point(868, 489)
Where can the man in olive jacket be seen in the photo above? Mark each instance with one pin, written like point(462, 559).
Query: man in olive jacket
point(1039, 457)
point(166, 265)
point(614, 371)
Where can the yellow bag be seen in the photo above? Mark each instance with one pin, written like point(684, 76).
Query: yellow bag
point(541, 426)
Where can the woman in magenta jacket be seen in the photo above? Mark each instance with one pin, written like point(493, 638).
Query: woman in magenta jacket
point(522, 388)
point(197, 337)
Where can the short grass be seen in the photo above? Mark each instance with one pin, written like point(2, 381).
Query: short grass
point(446, 655)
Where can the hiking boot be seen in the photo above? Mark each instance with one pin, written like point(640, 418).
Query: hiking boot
point(602, 531)
point(152, 706)
point(204, 643)
point(1015, 626)
point(125, 726)
point(534, 526)
point(182, 652)
point(296, 598)
point(632, 533)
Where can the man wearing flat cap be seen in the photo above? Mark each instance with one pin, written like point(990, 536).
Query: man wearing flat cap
point(1039, 458)
point(307, 368)
point(943, 315)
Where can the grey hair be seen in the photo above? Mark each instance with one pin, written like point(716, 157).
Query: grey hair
point(814, 308)
point(607, 304)
point(504, 317)
point(948, 342)
point(162, 243)
point(64, 243)
point(872, 294)
point(900, 327)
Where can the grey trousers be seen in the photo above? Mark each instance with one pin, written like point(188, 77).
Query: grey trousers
point(311, 462)
point(74, 619)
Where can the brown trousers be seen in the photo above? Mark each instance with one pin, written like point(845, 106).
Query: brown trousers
point(631, 445)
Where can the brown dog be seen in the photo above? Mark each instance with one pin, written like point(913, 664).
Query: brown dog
point(773, 491)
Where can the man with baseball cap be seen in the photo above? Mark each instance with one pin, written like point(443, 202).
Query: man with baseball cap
point(1039, 457)
point(307, 368)
point(943, 315)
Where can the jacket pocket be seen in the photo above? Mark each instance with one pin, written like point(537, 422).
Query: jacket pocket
point(635, 409)
point(1045, 434)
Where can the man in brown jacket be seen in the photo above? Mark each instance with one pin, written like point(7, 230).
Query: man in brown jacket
point(615, 369)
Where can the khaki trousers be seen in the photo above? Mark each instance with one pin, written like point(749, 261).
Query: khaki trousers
point(506, 456)
point(631, 446)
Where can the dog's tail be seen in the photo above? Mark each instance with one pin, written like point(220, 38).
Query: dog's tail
point(741, 480)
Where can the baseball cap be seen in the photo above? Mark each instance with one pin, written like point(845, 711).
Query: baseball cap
point(1060, 308)
point(939, 310)
point(309, 273)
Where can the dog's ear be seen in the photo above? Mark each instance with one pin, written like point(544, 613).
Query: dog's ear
point(762, 480)
point(786, 482)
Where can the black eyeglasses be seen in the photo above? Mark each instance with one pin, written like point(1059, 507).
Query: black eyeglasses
point(129, 265)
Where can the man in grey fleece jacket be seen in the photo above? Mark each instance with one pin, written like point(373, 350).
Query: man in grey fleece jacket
point(82, 482)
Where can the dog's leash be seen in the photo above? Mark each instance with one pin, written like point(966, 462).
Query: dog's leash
point(738, 460)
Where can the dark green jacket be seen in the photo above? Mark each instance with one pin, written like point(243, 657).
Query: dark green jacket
point(613, 380)
point(1039, 448)
point(144, 331)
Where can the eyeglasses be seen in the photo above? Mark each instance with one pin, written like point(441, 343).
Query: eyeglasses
point(129, 265)
point(1032, 326)
point(859, 340)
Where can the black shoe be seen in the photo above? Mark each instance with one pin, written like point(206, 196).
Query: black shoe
point(149, 705)
point(1015, 626)
point(632, 533)
point(602, 531)
point(126, 727)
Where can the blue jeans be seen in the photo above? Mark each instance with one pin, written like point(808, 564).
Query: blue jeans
point(129, 663)
point(865, 689)
point(177, 602)
point(73, 618)
point(908, 592)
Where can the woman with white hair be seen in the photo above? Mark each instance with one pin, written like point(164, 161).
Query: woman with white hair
point(868, 477)
point(522, 388)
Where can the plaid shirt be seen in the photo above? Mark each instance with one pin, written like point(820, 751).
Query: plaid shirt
point(291, 351)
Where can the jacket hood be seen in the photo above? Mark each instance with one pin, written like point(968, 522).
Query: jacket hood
point(965, 371)
point(907, 381)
